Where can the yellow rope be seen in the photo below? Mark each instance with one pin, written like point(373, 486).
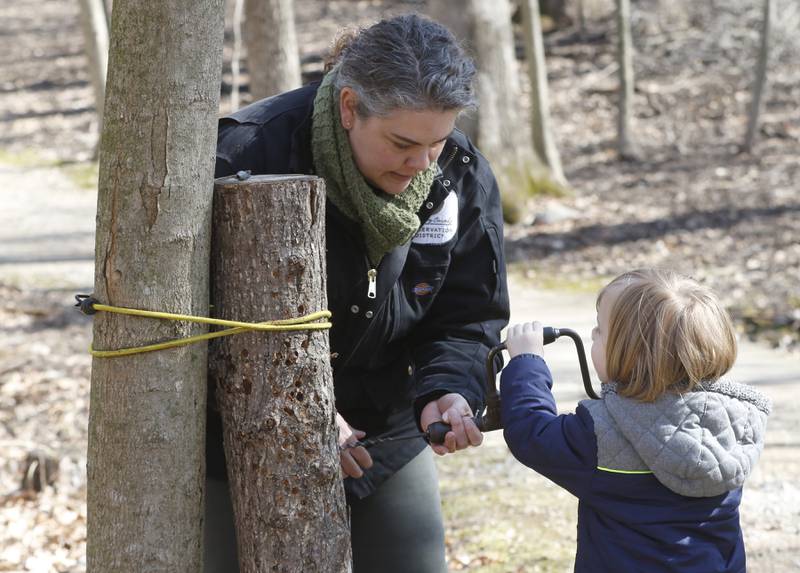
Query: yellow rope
point(290, 324)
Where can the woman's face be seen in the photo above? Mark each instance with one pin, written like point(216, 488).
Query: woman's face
point(600, 332)
point(390, 150)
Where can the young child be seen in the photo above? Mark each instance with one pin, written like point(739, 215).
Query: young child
point(659, 461)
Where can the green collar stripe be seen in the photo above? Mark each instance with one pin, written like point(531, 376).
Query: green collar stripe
point(632, 472)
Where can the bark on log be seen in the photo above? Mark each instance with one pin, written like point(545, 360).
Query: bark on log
point(275, 389)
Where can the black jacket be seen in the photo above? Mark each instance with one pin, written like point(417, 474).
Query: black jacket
point(439, 302)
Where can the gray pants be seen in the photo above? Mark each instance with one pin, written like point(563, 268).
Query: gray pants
point(396, 529)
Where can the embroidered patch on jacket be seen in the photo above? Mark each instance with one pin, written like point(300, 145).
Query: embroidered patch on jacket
point(422, 289)
point(442, 225)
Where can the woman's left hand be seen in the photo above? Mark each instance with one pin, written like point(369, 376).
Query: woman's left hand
point(452, 409)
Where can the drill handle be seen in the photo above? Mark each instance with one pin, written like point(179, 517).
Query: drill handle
point(438, 430)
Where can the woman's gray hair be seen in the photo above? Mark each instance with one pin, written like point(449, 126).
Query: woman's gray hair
point(406, 62)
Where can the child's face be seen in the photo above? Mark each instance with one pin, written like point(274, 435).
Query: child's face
point(600, 332)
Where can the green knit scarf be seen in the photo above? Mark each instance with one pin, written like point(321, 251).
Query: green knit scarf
point(386, 221)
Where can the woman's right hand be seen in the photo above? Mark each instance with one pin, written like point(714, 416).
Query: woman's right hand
point(351, 459)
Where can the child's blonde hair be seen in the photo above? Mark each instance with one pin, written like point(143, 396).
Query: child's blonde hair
point(666, 332)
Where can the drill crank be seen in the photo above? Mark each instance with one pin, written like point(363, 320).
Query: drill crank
point(489, 419)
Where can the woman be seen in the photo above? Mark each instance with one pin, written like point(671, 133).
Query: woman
point(416, 275)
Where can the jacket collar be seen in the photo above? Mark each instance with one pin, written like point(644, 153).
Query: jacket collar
point(454, 163)
point(300, 159)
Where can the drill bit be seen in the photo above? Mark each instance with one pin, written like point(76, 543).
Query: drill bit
point(382, 439)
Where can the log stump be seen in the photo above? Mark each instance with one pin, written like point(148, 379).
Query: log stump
point(275, 389)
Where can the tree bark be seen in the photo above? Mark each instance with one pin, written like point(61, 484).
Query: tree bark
point(109, 7)
point(95, 39)
point(543, 142)
point(147, 413)
point(627, 149)
point(275, 389)
point(236, 56)
point(458, 18)
point(760, 80)
point(556, 9)
point(499, 129)
point(273, 60)
point(581, 19)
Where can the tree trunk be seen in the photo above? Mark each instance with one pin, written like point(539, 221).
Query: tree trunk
point(95, 39)
point(109, 7)
point(499, 129)
point(625, 143)
point(275, 389)
point(236, 56)
point(556, 9)
point(581, 20)
point(760, 80)
point(273, 60)
point(543, 142)
point(458, 19)
point(147, 414)
point(501, 126)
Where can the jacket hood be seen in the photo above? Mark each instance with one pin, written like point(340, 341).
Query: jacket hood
point(699, 444)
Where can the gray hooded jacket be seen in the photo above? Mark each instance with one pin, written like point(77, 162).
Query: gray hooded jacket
point(697, 444)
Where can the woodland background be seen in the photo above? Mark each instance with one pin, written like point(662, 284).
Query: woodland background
point(690, 200)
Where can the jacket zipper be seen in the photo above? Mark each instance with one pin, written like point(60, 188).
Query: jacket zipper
point(372, 284)
point(372, 292)
point(449, 159)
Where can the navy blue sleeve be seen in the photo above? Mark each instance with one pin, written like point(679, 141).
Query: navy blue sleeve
point(562, 448)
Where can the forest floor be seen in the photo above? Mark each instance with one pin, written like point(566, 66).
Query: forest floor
point(692, 202)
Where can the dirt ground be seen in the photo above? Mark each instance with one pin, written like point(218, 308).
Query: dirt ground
point(692, 203)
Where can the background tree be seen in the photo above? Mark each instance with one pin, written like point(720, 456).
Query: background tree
point(147, 413)
point(95, 37)
point(543, 142)
point(500, 127)
point(700, 64)
point(555, 9)
point(581, 16)
point(486, 29)
point(760, 79)
point(236, 56)
point(626, 146)
point(273, 60)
